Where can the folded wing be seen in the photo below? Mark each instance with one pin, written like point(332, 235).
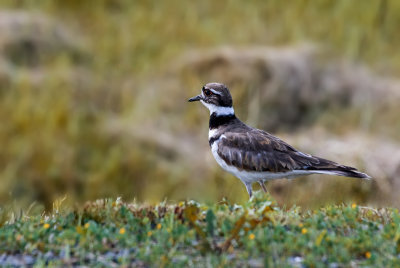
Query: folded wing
point(257, 150)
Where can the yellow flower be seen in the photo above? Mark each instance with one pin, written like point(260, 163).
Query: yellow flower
point(304, 231)
point(79, 229)
point(181, 204)
point(46, 226)
point(87, 225)
point(354, 205)
point(367, 254)
point(252, 236)
point(122, 231)
point(159, 226)
point(149, 233)
point(301, 225)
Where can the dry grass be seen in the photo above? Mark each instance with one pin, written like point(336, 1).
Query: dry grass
point(55, 107)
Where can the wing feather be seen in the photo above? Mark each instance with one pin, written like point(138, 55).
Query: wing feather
point(252, 149)
point(256, 150)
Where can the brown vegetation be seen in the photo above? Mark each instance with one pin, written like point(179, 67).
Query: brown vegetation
point(93, 99)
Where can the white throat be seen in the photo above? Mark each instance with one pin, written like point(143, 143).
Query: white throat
point(218, 110)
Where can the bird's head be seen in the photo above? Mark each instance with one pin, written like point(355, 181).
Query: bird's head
point(217, 98)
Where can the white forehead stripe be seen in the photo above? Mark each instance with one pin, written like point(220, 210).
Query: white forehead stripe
point(215, 92)
point(218, 110)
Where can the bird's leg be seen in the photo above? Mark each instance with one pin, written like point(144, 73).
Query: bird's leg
point(263, 186)
point(249, 189)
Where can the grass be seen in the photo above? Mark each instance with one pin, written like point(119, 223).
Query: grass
point(257, 233)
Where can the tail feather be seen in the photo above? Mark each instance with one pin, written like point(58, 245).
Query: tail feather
point(345, 173)
point(329, 167)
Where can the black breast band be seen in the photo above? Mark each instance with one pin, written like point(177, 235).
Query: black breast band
point(219, 120)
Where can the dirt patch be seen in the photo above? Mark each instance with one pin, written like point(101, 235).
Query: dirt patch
point(29, 39)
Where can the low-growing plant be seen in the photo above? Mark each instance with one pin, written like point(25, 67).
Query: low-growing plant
point(257, 233)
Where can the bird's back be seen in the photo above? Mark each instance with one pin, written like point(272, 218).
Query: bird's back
point(254, 150)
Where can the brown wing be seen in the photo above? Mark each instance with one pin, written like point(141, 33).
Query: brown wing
point(256, 150)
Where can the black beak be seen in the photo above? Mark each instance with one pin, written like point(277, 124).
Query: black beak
point(197, 98)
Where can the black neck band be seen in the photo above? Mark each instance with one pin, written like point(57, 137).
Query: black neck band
point(219, 120)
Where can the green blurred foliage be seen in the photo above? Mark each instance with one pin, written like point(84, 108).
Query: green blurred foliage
point(51, 132)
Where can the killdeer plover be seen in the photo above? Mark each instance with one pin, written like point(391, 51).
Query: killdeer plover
point(254, 155)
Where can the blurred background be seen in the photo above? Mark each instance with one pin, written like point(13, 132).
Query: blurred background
point(93, 96)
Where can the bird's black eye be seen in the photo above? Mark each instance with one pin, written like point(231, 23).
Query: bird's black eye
point(207, 92)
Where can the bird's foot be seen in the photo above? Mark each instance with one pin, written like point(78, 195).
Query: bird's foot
point(249, 190)
point(263, 186)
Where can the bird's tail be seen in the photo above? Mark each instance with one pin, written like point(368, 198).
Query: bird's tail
point(328, 167)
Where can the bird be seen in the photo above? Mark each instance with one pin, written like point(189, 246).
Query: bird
point(254, 155)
